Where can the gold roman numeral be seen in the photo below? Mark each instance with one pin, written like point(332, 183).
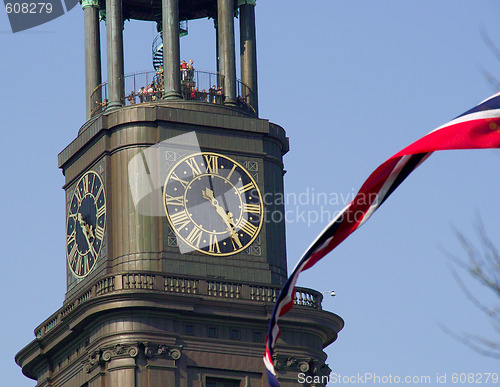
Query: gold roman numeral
point(212, 163)
point(78, 266)
point(94, 178)
point(101, 211)
point(71, 238)
point(194, 237)
point(214, 244)
point(253, 208)
point(245, 188)
point(231, 172)
point(174, 200)
point(194, 166)
point(176, 178)
point(72, 253)
point(92, 251)
point(98, 192)
point(247, 227)
point(99, 232)
point(86, 263)
point(86, 183)
point(78, 194)
point(180, 219)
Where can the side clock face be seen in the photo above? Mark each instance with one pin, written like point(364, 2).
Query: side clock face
point(213, 204)
point(85, 225)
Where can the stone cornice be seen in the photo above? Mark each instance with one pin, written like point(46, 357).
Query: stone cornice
point(252, 304)
point(220, 117)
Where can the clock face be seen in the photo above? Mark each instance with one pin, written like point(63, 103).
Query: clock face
point(213, 204)
point(85, 225)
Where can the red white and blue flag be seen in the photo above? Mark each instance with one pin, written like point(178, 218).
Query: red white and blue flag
point(478, 128)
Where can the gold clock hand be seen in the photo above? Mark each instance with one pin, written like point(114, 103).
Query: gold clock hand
point(86, 229)
point(226, 217)
point(82, 224)
point(89, 230)
point(209, 195)
point(234, 235)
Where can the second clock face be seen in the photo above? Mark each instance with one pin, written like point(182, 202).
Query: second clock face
point(213, 204)
point(85, 224)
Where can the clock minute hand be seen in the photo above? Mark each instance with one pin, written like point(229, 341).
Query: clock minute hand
point(234, 235)
point(209, 195)
point(226, 217)
point(89, 230)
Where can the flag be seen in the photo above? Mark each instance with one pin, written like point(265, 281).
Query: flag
point(478, 128)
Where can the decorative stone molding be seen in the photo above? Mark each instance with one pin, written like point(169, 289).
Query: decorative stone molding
point(120, 350)
point(152, 350)
point(307, 365)
point(92, 362)
point(94, 358)
point(90, 3)
point(103, 355)
point(304, 366)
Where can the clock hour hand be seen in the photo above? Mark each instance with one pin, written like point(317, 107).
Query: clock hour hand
point(86, 228)
point(226, 217)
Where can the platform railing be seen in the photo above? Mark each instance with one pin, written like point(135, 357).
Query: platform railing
point(196, 85)
point(179, 285)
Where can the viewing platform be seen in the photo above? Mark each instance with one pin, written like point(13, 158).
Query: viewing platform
point(196, 86)
point(154, 283)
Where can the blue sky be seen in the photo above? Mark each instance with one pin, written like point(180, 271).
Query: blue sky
point(352, 82)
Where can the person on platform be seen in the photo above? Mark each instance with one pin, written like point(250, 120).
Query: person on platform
point(212, 93)
point(220, 95)
point(159, 77)
point(190, 70)
point(183, 70)
point(131, 98)
point(150, 92)
point(194, 94)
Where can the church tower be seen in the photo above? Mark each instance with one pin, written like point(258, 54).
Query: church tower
point(175, 247)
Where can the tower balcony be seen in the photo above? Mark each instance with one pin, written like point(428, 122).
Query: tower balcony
point(196, 86)
point(170, 323)
point(190, 286)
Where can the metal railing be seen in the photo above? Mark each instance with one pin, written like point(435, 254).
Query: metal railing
point(168, 284)
point(147, 86)
point(157, 47)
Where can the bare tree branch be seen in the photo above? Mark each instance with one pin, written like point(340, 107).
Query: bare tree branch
point(483, 265)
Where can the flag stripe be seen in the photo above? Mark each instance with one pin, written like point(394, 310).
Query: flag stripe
point(409, 167)
point(478, 128)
